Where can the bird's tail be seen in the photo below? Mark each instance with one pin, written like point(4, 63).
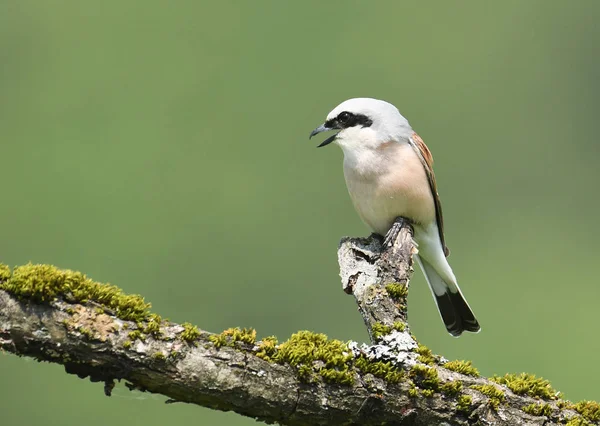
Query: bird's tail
point(454, 309)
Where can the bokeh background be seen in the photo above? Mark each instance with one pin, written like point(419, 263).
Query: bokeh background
point(162, 146)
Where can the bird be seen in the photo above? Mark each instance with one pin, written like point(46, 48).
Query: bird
point(389, 174)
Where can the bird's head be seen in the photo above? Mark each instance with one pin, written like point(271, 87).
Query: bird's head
point(364, 123)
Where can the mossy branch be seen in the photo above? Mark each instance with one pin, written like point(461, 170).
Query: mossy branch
point(95, 330)
point(378, 278)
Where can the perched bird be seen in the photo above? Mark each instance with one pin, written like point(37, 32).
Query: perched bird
point(388, 171)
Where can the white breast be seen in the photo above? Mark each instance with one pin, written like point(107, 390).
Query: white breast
point(388, 182)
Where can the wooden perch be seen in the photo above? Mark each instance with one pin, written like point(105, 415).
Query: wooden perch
point(96, 331)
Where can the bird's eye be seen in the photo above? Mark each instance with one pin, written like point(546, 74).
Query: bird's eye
point(344, 117)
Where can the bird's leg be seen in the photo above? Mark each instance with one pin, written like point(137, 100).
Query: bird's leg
point(393, 232)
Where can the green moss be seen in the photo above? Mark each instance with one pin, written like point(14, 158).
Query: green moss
point(218, 340)
point(495, 395)
point(246, 335)
point(425, 355)
point(452, 388)
point(538, 409)
point(300, 349)
point(305, 347)
point(413, 392)
point(527, 384)
point(464, 403)
point(383, 370)
point(380, 329)
point(159, 356)
point(428, 392)
point(399, 326)
point(4, 273)
point(590, 410)
point(45, 283)
point(397, 291)
point(331, 375)
point(153, 323)
point(232, 335)
point(267, 348)
point(577, 421)
point(127, 344)
point(135, 335)
point(312, 355)
point(190, 332)
point(89, 334)
point(305, 373)
point(425, 377)
point(462, 367)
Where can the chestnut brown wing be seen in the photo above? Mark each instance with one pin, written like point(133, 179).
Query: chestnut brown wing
point(427, 161)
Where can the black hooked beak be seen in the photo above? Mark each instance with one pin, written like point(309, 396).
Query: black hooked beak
point(323, 128)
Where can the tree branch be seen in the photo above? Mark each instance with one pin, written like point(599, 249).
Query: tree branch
point(379, 278)
point(96, 331)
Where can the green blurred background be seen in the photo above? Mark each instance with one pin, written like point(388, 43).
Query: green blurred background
point(163, 147)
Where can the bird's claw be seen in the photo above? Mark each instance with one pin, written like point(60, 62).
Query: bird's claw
point(393, 232)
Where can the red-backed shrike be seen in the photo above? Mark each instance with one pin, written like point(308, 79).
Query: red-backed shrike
point(388, 171)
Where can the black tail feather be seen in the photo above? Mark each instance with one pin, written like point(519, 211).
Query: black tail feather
point(456, 313)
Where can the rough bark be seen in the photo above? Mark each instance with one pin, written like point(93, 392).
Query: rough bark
point(234, 377)
point(366, 268)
